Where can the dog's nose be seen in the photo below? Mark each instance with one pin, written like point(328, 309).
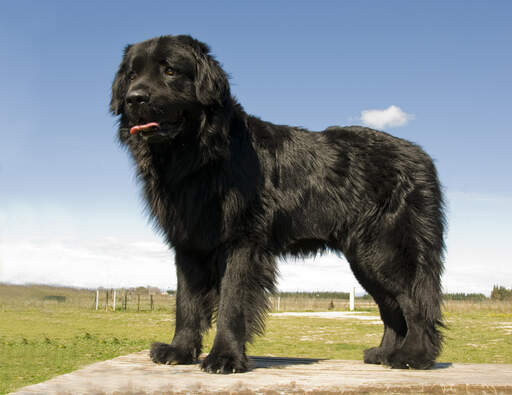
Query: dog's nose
point(137, 97)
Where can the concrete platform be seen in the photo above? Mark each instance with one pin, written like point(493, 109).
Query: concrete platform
point(136, 374)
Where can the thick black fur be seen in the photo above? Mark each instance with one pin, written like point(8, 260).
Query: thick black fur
point(231, 192)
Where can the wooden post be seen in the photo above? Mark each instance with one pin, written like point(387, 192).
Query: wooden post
point(114, 303)
point(125, 299)
point(106, 300)
point(278, 303)
point(352, 298)
point(151, 302)
point(138, 302)
point(97, 298)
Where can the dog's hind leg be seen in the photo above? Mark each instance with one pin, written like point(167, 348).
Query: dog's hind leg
point(196, 298)
point(248, 279)
point(403, 276)
point(420, 303)
point(395, 327)
point(418, 253)
point(422, 343)
point(395, 330)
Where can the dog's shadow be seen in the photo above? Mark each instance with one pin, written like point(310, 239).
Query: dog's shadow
point(441, 365)
point(277, 362)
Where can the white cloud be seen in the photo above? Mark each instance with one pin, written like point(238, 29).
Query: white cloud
point(113, 262)
point(107, 262)
point(48, 244)
point(328, 272)
point(392, 116)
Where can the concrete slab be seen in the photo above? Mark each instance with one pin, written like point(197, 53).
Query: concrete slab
point(136, 374)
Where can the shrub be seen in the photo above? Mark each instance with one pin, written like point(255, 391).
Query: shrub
point(58, 298)
point(501, 293)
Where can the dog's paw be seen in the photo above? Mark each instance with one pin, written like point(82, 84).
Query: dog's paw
point(166, 354)
point(224, 363)
point(403, 360)
point(373, 355)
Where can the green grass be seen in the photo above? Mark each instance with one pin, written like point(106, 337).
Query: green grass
point(478, 337)
point(37, 345)
point(39, 341)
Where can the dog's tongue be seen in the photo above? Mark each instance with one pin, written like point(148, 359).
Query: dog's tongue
point(137, 128)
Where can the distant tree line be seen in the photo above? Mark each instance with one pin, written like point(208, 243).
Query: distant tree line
point(498, 293)
point(320, 295)
point(464, 296)
point(501, 293)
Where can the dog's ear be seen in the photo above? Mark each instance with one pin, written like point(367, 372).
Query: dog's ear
point(212, 86)
point(119, 86)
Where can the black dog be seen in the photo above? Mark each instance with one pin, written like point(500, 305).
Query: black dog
point(231, 192)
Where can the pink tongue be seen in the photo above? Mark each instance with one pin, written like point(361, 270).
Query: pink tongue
point(138, 128)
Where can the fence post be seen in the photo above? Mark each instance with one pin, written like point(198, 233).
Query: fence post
point(138, 302)
point(106, 300)
point(125, 299)
point(151, 302)
point(352, 298)
point(114, 304)
point(97, 298)
point(278, 303)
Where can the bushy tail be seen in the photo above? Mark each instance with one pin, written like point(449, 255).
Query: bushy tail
point(427, 296)
point(427, 289)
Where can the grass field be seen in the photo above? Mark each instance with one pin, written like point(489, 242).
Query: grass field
point(41, 338)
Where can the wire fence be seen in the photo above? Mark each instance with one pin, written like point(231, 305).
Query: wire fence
point(147, 299)
point(122, 300)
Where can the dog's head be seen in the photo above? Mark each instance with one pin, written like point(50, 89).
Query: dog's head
point(166, 86)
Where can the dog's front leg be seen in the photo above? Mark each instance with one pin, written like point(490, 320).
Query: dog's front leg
point(195, 300)
point(248, 278)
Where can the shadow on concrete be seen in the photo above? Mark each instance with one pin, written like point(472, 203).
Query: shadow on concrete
point(441, 365)
point(276, 362)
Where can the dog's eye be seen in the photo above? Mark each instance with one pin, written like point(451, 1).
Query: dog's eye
point(169, 71)
point(131, 76)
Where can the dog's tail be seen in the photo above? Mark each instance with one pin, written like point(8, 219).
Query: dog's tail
point(426, 287)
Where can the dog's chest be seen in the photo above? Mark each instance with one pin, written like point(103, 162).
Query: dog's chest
point(190, 217)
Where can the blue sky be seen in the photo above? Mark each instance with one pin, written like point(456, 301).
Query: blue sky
point(70, 211)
